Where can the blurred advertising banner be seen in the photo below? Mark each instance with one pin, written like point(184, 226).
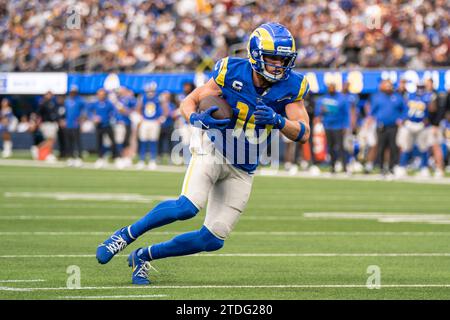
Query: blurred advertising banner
point(33, 82)
point(360, 81)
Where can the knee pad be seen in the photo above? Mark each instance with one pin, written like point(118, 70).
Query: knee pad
point(209, 240)
point(186, 208)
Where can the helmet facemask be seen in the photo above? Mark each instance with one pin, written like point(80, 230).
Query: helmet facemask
point(279, 72)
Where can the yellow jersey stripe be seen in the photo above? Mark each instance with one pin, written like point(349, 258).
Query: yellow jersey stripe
point(302, 89)
point(220, 79)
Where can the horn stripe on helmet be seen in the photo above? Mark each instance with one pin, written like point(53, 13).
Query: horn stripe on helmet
point(266, 39)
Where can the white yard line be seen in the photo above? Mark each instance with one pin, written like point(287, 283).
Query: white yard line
point(117, 297)
point(21, 281)
point(277, 286)
point(241, 233)
point(126, 217)
point(203, 255)
point(382, 217)
point(74, 196)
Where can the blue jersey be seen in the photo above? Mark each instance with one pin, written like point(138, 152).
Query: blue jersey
point(74, 107)
point(243, 142)
point(352, 102)
point(334, 110)
point(103, 109)
point(151, 108)
point(387, 108)
point(417, 110)
point(129, 104)
point(169, 119)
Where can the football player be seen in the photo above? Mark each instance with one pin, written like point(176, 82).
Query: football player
point(265, 94)
point(414, 131)
point(153, 114)
point(8, 123)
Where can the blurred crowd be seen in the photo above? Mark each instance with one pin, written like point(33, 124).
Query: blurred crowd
point(390, 131)
point(120, 35)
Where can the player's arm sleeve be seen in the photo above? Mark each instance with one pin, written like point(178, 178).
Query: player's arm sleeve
point(220, 71)
point(303, 90)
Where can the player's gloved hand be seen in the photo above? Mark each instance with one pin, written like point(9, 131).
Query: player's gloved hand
point(266, 115)
point(205, 121)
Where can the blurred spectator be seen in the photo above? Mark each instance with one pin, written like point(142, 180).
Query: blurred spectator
point(8, 123)
point(120, 35)
point(332, 111)
point(124, 103)
point(48, 116)
point(435, 116)
point(387, 109)
point(61, 130)
point(102, 111)
point(165, 142)
point(74, 110)
point(153, 114)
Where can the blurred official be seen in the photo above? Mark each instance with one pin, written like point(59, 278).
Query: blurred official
point(387, 110)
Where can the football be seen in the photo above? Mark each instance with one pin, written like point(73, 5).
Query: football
point(224, 111)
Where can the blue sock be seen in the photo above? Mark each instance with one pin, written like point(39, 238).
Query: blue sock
point(404, 158)
point(184, 244)
point(119, 148)
point(424, 160)
point(153, 149)
point(164, 213)
point(142, 150)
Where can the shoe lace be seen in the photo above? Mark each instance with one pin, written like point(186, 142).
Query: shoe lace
point(117, 245)
point(144, 270)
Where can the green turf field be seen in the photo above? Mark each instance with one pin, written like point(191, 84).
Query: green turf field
point(52, 218)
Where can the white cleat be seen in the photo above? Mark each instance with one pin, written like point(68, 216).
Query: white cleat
point(424, 173)
point(438, 174)
point(78, 163)
point(314, 171)
point(70, 162)
point(293, 170)
point(100, 163)
point(119, 163)
point(127, 163)
point(152, 165)
point(400, 172)
point(140, 165)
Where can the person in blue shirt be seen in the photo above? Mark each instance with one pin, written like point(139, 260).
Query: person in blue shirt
point(387, 109)
point(102, 111)
point(74, 110)
point(266, 97)
point(332, 110)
